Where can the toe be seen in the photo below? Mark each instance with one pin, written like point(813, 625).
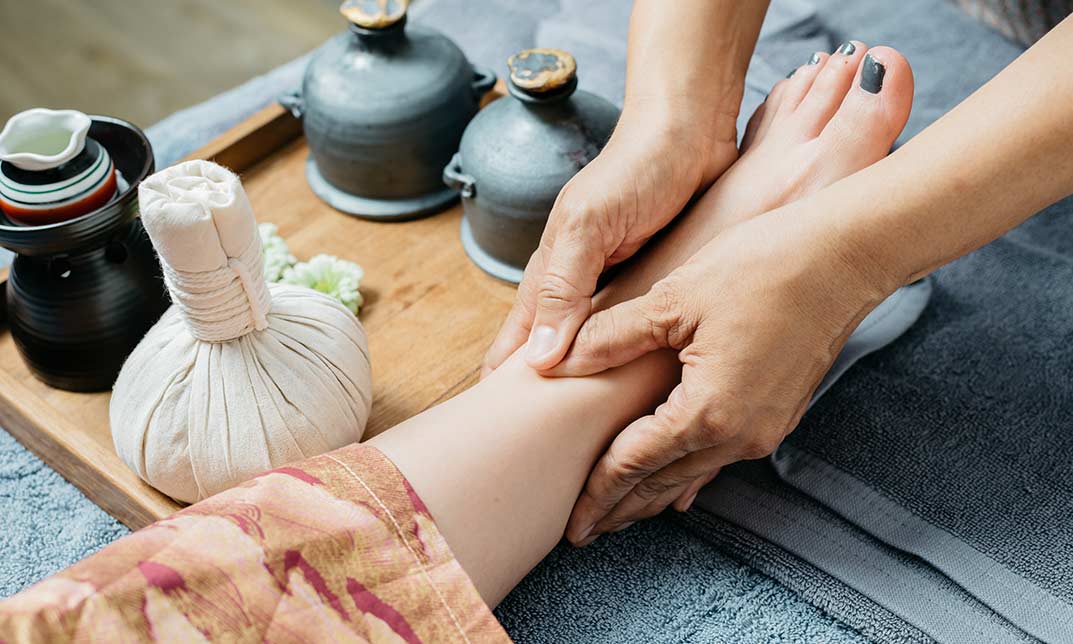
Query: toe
point(832, 82)
point(875, 109)
point(760, 121)
point(783, 100)
point(770, 108)
point(752, 130)
point(799, 83)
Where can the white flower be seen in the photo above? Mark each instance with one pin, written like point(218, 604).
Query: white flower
point(277, 255)
point(330, 275)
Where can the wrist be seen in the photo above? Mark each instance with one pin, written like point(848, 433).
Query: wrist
point(714, 123)
point(703, 144)
point(845, 272)
point(856, 251)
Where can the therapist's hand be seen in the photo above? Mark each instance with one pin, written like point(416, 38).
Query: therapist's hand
point(757, 316)
point(645, 175)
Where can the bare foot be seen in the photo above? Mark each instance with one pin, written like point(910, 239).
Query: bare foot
point(835, 115)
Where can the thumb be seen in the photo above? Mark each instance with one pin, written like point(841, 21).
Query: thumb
point(621, 334)
point(564, 297)
point(515, 329)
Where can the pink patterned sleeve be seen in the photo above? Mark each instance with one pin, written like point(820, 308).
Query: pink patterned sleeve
point(336, 548)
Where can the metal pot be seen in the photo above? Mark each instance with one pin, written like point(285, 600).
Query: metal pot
point(83, 292)
point(519, 152)
point(384, 106)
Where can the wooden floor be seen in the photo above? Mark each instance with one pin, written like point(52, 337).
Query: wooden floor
point(144, 60)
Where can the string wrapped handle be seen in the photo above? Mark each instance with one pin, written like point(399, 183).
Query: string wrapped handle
point(201, 224)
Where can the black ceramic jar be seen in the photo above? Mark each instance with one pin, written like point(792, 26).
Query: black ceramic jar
point(383, 107)
point(83, 292)
point(519, 152)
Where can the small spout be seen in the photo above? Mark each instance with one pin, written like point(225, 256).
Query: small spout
point(41, 139)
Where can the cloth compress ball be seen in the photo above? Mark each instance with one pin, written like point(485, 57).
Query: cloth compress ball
point(238, 376)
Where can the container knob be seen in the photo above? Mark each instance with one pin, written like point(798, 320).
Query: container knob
point(542, 71)
point(374, 14)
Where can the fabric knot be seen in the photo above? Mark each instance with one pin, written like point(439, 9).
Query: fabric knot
point(226, 303)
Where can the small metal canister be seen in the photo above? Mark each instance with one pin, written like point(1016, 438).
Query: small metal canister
point(519, 152)
point(383, 107)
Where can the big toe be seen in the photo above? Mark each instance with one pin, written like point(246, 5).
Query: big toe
point(875, 109)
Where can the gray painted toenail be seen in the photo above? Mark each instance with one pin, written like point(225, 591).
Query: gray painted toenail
point(846, 49)
point(872, 75)
point(815, 60)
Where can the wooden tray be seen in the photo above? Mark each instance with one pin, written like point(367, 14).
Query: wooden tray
point(429, 313)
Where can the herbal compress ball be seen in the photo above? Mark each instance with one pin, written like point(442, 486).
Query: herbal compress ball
point(238, 376)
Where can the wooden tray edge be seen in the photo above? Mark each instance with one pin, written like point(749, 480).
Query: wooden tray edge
point(252, 140)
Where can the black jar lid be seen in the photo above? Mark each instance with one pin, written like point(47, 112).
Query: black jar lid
point(542, 74)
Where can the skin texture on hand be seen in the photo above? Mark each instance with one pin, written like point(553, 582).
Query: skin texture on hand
point(747, 375)
point(677, 134)
point(641, 180)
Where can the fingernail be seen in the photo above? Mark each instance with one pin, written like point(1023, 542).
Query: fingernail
point(583, 535)
point(792, 72)
point(541, 343)
point(588, 541)
point(624, 526)
point(846, 48)
point(689, 503)
point(815, 60)
point(872, 75)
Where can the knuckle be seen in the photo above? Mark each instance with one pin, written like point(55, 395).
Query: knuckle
point(556, 288)
point(761, 445)
point(653, 487)
point(572, 213)
point(624, 471)
point(664, 314)
point(572, 209)
point(596, 338)
point(718, 425)
point(663, 300)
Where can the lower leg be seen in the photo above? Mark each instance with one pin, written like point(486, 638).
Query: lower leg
point(501, 465)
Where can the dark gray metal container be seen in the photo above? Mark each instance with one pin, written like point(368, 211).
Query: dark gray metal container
point(519, 152)
point(384, 106)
